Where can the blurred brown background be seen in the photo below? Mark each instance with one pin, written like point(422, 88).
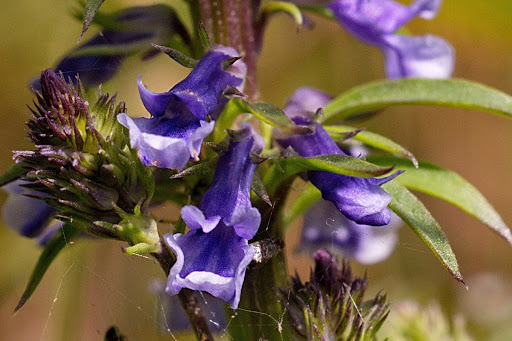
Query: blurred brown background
point(93, 285)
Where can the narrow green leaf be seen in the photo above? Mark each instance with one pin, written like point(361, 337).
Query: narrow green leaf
point(307, 197)
point(286, 7)
point(451, 187)
point(203, 36)
point(456, 93)
point(419, 219)
point(272, 115)
point(266, 112)
point(374, 140)
point(201, 168)
point(340, 164)
point(51, 250)
point(14, 173)
point(91, 7)
point(335, 163)
point(259, 189)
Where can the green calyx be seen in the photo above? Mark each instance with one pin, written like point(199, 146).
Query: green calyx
point(140, 231)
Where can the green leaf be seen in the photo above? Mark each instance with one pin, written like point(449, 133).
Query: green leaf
point(51, 250)
point(375, 140)
point(307, 197)
point(178, 56)
point(451, 187)
point(335, 163)
point(443, 92)
point(286, 7)
point(272, 115)
point(340, 164)
point(14, 173)
point(91, 7)
point(419, 219)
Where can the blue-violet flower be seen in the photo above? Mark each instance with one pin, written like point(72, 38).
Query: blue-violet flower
point(325, 227)
point(179, 124)
point(131, 30)
point(375, 22)
point(29, 217)
point(359, 199)
point(213, 256)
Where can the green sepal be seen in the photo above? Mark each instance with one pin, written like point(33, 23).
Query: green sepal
point(177, 56)
point(259, 189)
point(373, 140)
point(415, 214)
point(91, 8)
point(12, 174)
point(139, 230)
point(450, 187)
point(455, 93)
point(50, 252)
point(335, 163)
point(283, 6)
point(201, 168)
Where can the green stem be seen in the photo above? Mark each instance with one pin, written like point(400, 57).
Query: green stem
point(259, 305)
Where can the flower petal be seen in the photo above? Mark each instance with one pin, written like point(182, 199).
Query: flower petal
point(423, 57)
point(166, 143)
point(27, 216)
point(194, 218)
point(325, 227)
point(214, 262)
point(155, 103)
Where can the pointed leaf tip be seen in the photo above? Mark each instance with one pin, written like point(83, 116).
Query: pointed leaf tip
point(50, 252)
point(177, 56)
point(412, 211)
point(91, 8)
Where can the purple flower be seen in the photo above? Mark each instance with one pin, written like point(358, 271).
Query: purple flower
point(375, 22)
point(325, 227)
point(359, 199)
point(174, 134)
point(29, 217)
point(134, 30)
point(213, 256)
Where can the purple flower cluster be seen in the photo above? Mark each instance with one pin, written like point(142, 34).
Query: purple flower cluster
point(214, 255)
point(376, 22)
point(359, 199)
point(174, 134)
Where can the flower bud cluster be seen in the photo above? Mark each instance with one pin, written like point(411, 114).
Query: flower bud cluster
point(331, 305)
point(82, 164)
